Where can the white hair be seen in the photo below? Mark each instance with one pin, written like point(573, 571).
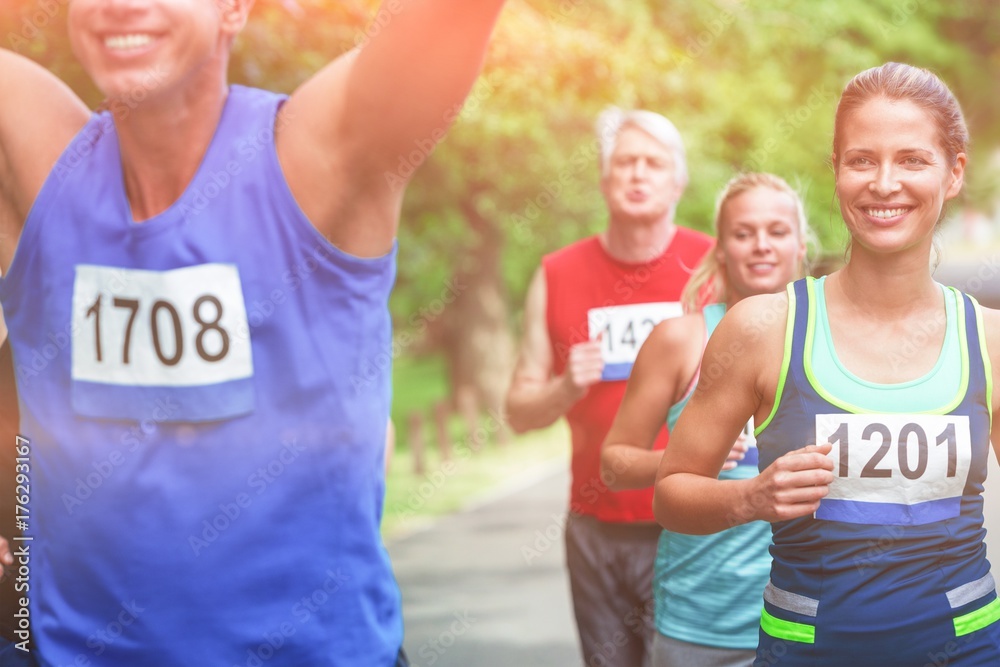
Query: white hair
point(613, 120)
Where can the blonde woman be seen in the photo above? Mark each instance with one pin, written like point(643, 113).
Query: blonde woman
point(708, 589)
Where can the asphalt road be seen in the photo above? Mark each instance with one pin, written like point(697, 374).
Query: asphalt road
point(487, 587)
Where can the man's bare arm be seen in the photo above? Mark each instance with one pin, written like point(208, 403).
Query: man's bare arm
point(536, 399)
point(39, 115)
point(344, 131)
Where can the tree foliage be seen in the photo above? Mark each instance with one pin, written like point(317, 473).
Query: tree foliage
point(751, 84)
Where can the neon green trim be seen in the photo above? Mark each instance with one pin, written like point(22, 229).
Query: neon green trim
point(807, 350)
point(974, 620)
point(963, 345)
point(790, 630)
point(786, 360)
point(985, 353)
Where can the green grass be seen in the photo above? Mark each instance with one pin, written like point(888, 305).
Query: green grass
point(418, 384)
point(474, 472)
point(477, 467)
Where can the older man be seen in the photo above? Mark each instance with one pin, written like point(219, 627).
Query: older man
point(589, 308)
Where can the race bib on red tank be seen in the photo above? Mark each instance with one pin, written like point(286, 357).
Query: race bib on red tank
point(623, 329)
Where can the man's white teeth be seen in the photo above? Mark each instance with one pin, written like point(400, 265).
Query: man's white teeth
point(127, 41)
point(885, 213)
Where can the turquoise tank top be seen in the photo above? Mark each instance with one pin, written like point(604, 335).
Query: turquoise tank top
point(708, 589)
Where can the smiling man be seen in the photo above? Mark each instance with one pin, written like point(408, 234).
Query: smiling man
point(589, 308)
point(146, 254)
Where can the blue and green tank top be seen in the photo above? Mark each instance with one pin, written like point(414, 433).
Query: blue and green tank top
point(891, 571)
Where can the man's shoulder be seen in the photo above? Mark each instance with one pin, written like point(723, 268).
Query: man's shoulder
point(585, 248)
point(691, 239)
point(257, 106)
point(251, 94)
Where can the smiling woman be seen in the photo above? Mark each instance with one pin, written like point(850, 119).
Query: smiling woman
point(895, 171)
point(858, 445)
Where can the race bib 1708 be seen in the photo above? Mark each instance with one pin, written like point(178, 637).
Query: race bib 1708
point(623, 329)
point(179, 335)
point(897, 469)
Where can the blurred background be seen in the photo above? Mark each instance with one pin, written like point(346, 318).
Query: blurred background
point(752, 85)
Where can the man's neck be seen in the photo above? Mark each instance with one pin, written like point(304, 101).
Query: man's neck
point(636, 242)
point(163, 142)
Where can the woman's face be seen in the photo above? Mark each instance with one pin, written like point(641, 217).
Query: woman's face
point(759, 244)
point(893, 176)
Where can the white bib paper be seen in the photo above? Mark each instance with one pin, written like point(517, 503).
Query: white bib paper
point(623, 329)
point(180, 328)
point(895, 468)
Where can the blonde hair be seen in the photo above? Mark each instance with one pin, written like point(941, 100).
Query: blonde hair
point(709, 282)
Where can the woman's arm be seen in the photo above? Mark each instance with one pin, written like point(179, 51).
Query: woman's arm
point(739, 377)
point(663, 369)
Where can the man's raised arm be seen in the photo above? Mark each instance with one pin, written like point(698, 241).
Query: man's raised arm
point(39, 115)
point(344, 131)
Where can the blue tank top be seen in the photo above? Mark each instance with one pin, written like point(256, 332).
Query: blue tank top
point(708, 588)
point(206, 396)
point(892, 568)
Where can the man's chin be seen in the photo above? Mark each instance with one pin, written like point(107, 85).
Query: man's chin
point(127, 97)
point(641, 215)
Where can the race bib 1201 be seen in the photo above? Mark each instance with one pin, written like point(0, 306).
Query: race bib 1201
point(897, 469)
point(145, 336)
point(623, 329)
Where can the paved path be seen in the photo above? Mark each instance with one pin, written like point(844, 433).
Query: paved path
point(487, 587)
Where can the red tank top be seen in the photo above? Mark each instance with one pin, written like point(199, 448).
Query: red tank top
point(581, 277)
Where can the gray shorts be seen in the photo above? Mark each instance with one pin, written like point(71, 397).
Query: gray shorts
point(669, 652)
point(611, 578)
